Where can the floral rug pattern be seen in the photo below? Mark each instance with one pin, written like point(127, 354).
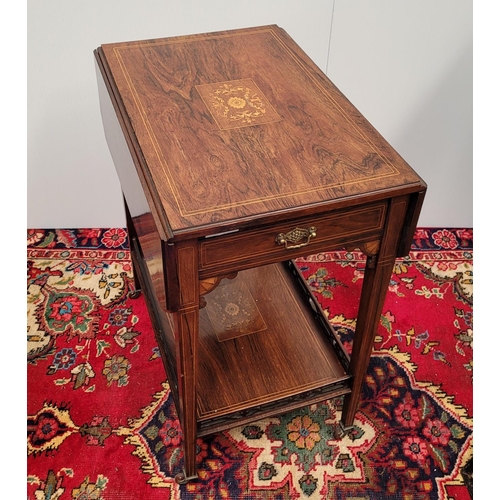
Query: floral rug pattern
point(101, 423)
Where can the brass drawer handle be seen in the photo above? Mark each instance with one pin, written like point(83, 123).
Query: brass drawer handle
point(297, 238)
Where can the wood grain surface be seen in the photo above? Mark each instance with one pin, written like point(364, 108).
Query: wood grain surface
point(291, 138)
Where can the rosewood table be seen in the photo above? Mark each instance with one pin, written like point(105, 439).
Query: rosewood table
point(237, 155)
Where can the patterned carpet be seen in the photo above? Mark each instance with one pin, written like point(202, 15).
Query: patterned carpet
point(102, 425)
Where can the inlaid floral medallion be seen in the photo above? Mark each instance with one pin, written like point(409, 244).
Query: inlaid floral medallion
point(237, 103)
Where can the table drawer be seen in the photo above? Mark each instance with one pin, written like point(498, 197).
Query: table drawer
point(291, 239)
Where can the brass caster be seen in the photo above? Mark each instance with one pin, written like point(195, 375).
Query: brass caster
point(340, 431)
point(182, 479)
point(134, 294)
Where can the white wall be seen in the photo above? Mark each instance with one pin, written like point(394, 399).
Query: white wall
point(404, 64)
point(407, 66)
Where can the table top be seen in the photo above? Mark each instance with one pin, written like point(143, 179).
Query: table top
point(238, 126)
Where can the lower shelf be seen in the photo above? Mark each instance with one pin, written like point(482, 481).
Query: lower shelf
point(261, 351)
point(264, 346)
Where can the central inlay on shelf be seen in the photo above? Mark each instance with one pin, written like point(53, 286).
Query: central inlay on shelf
point(233, 311)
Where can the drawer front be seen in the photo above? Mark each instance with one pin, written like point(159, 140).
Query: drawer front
point(292, 239)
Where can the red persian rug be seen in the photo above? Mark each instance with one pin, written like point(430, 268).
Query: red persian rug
point(101, 423)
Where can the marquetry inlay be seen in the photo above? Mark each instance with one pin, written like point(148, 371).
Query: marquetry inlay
point(237, 103)
point(233, 311)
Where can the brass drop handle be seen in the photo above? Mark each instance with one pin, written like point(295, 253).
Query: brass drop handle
point(297, 238)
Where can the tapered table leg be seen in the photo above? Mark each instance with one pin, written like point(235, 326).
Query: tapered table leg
point(188, 324)
point(133, 294)
point(186, 319)
point(375, 284)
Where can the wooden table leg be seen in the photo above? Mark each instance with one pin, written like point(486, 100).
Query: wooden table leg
point(187, 323)
point(186, 337)
point(375, 284)
point(133, 294)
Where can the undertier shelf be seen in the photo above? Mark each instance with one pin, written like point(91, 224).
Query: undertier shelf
point(264, 348)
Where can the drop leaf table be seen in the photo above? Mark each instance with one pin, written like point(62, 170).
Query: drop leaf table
point(236, 155)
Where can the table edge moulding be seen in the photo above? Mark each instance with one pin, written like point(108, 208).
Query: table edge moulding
point(237, 155)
